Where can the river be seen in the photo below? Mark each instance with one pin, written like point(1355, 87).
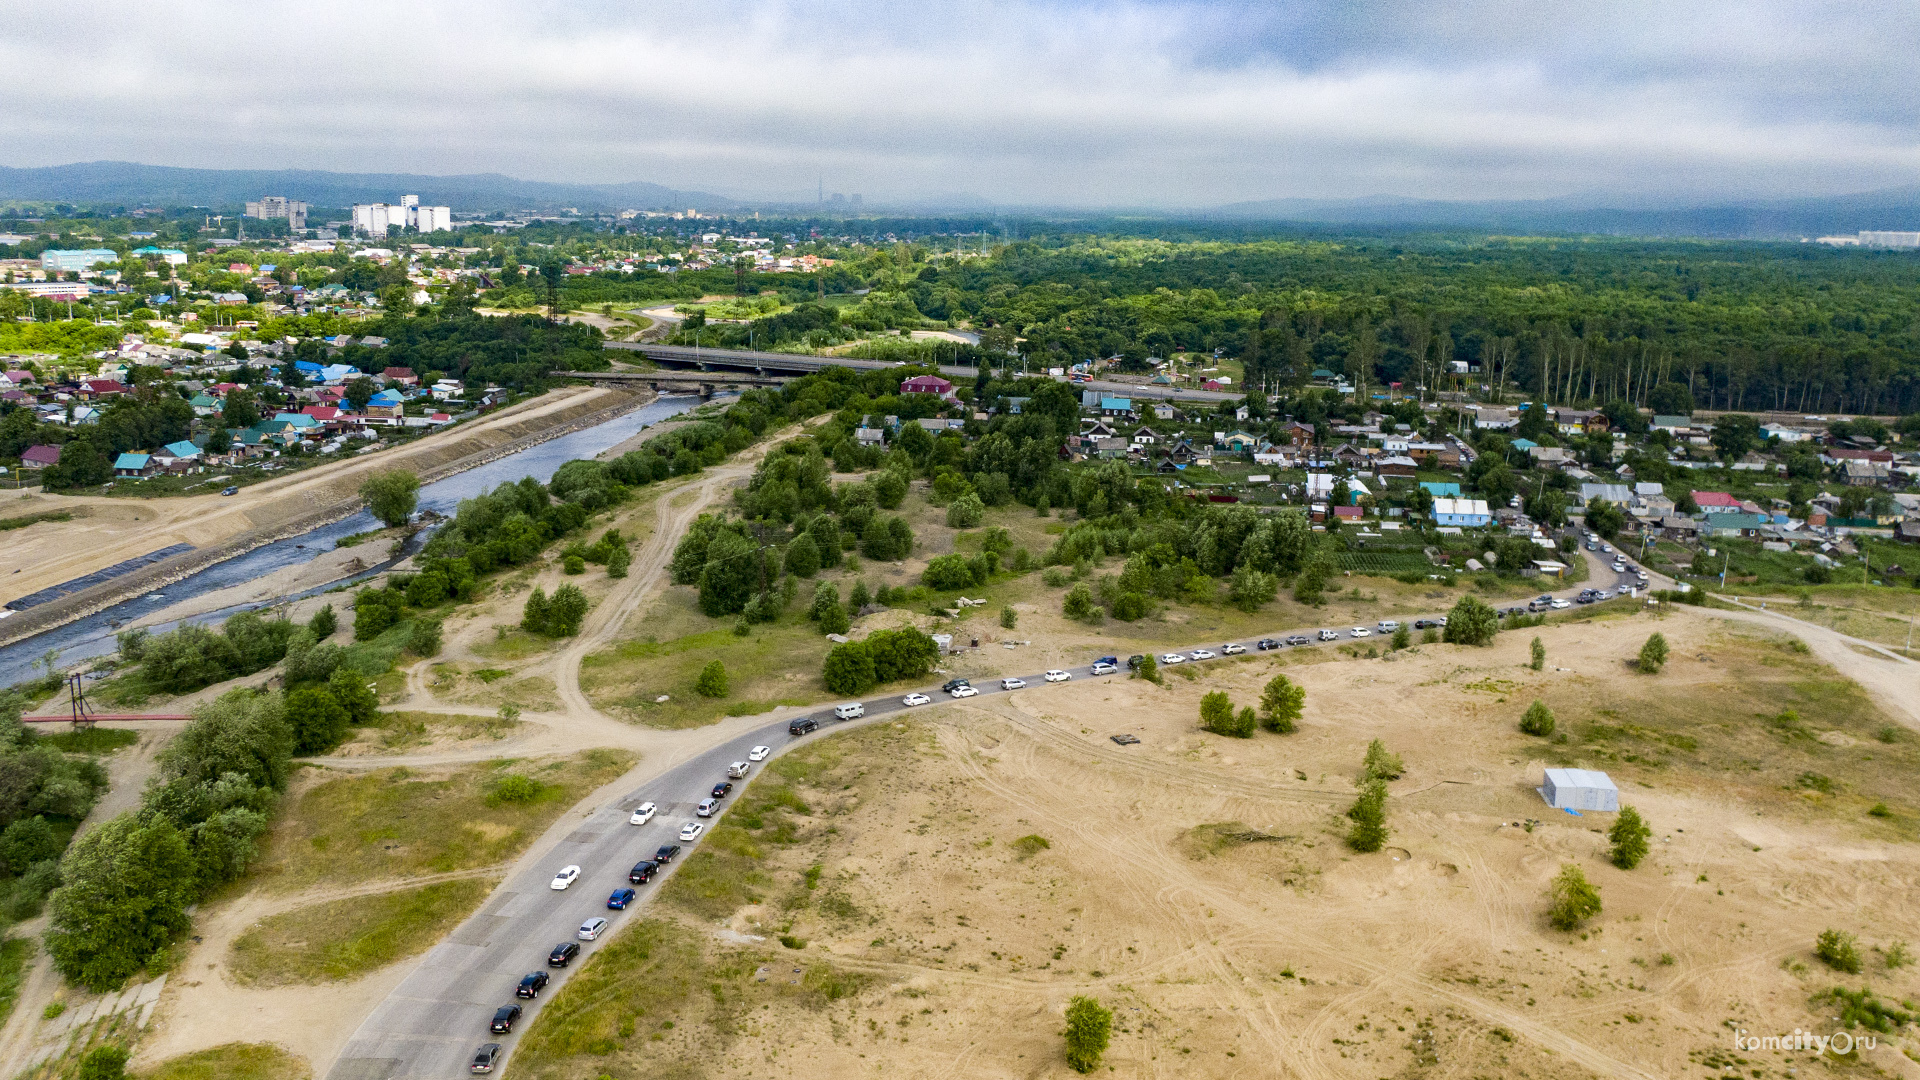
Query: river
point(93, 636)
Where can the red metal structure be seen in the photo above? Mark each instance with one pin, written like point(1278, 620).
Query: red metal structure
point(82, 716)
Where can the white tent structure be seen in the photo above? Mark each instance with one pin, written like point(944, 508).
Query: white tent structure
point(1580, 789)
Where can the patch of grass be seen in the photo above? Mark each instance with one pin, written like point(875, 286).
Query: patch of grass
point(395, 823)
point(342, 939)
point(1030, 845)
point(94, 740)
point(405, 730)
point(14, 954)
point(1220, 836)
point(24, 520)
point(513, 644)
point(776, 663)
point(233, 1061)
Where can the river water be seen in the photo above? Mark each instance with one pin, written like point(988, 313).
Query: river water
point(93, 636)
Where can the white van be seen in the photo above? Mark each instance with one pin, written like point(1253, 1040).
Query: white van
point(1388, 626)
point(849, 712)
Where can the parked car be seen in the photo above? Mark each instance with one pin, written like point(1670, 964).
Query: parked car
point(691, 831)
point(1558, 604)
point(1201, 654)
point(1104, 669)
point(1056, 675)
point(803, 725)
point(953, 684)
point(1172, 658)
point(1328, 635)
point(592, 928)
point(1298, 639)
point(1134, 662)
point(1232, 649)
point(620, 899)
point(853, 711)
point(531, 984)
point(1107, 660)
point(563, 954)
point(485, 1058)
point(1359, 631)
point(643, 872)
point(965, 691)
point(707, 807)
point(665, 852)
point(1013, 684)
point(915, 699)
point(1421, 624)
point(1266, 643)
point(759, 753)
point(642, 814)
point(229, 491)
point(722, 789)
point(567, 876)
point(1388, 626)
point(738, 769)
point(503, 1019)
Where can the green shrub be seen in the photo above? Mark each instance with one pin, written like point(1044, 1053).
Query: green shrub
point(1380, 764)
point(1009, 618)
point(712, 681)
point(1369, 817)
point(1539, 654)
point(1281, 703)
point(1471, 622)
point(1629, 835)
point(1538, 719)
point(1838, 950)
point(1217, 716)
point(1574, 899)
point(1089, 1030)
point(1653, 655)
point(514, 790)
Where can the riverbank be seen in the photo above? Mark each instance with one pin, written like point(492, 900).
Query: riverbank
point(311, 501)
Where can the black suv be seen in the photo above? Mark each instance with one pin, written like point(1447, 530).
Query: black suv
point(1299, 639)
point(1134, 662)
point(643, 872)
point(504, 1018)
point(1266, 643)
point(722, 789)
point(666, 853)
point(954, 684)
point(563, 954)
point(531, 986)
point(803, 726)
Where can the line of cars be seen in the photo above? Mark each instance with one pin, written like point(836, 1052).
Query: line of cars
point(488, 1057)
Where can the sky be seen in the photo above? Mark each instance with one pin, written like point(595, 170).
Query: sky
point(1167, 105)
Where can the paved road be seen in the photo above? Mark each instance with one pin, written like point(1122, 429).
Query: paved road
point(432, 1024)
point(747, 360)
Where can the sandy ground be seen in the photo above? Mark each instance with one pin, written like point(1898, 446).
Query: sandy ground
point(107, 530)
point(325, 567)
point(1296, 956)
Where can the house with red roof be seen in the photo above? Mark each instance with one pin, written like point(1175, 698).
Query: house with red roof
point(91, 389)
point(402, 375)
point(1716, 502)
point(927, 384)
point(39, 457)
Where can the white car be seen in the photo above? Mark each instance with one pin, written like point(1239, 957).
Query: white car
point(964, 691)
point(642, 814)
point(1623, 590)
point(1104, 669)
point(1173, 658)
point(759, 753)
point(1056, 675)
point(566, 877)
point(590, 929)
point(1328, 635)
point(707, 807)
point(1558, 603)
point(1232, 650)
point(1359, 631)
point(1201, 654)
point(1641, 574)
point(691, 831)
point(1013, 684)
point(915, 699)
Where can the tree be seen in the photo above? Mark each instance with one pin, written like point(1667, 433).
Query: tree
point(83, 463)
point(617, 562)
point(349, 688)
point(1574, 899)
point(1539, 654)
point(1149, 669)
point(1671, 399)
point(1604, 517)
point(1653, 655)
point(533, 616)
point(901, 654)
point(127, 884)
point(803, 557)
point(240, 409)
point(323, 623)
point(1734, 434)
point(568, 609)
point(1281, 704)
point(1629, 835)
point(1217, 716)
point(1078, 604)
point(1402, 637)
point(1471, 622)
point(1089, 1029)
point(946, 573)
point(359, 392)
point(1380, 763)
point(1009, 618)
point(965, 511)
point(834, 620)
point(849, 668)
point(1538, 719)
point(391, 496)
point(826, 595)
point(712, 681)
point(1250, 588)
point(1369, 816)
point(425, 638)
point(319, 720)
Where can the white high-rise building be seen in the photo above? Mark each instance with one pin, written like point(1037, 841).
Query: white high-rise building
point(432, 218)
point(276, 206)
point(408, 205)
point(374, 219)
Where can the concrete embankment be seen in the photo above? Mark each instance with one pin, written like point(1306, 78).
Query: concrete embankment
point(314, 506)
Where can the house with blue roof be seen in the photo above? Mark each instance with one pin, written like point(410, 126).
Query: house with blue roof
point(307, 367)
point(387, 408)
point(1441, 490)
point(1115, 406)
point(131, 464)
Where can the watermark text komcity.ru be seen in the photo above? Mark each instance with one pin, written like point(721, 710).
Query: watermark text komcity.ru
point(1840, 1042)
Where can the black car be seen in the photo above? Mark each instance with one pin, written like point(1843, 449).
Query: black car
point(504, 1018)
point(666, 853)
point(643, 872)
point(1422, 624)
point(1266, 643)
point(1298, 639)
point(803, 725)
point(722, 789)
point(531, 986)
point(563, 954)
point(954, 684)
point(620, 899)
point(485, 1059)
point(1134, 662)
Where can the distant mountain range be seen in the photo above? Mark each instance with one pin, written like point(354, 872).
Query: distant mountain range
point(1781, 219)
point(128, 183)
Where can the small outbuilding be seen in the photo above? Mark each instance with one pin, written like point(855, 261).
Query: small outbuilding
point(1580, 789)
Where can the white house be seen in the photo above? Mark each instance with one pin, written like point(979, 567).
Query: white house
point(1470, 513)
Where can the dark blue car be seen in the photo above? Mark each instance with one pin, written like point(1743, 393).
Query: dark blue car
point(620, 899)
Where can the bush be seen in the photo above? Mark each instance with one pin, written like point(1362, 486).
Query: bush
point(1009, 618)
point(1217, 716)
point(533, 615)
point(319, 720)
point(1078, 604)
point(425, 638)
point(1539, 654)
point(349, 688)
point(127, 886)
point(712, 681)
point(849, 669)
point(573, 564)
point(567, 609)
point(514, 790)
point(323, 624)
point(1653, 655)
point(1629, 835)
point(834, 620)
point(1538, 719)
point(1380, 764)
point(1089, 1029)
point(1249, 588)
point(965, 512)
point(1149, 669)
point(105, 1062)
point(1402, 638)
point(618, 560)
point(1838, 950)
point(1574, 899)
point(1471, 622)
point(1369, 817)
point(802, 558)
point(1054, 577)
point(947, 573)
point(1281, 704)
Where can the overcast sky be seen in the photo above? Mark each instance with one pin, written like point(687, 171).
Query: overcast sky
point(1167, 104)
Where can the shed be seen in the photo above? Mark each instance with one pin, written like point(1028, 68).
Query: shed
point(1580, 789)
